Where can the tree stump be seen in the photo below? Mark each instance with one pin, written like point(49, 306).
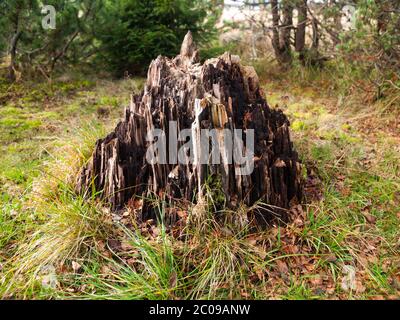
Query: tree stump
point(220, 95)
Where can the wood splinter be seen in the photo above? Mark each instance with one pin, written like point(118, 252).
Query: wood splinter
point(219, 94)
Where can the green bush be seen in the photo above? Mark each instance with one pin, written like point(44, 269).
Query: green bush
point(135, 31)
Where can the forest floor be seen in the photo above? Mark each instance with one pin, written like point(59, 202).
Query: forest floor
point(343, 243)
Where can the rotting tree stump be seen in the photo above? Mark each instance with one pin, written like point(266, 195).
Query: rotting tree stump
point(222, 95)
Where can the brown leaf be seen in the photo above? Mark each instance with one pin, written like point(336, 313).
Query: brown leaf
point(126, 246)
point(290, 249)
point(252, 239)
point(282, 266)
point(317, 280)
point(131, 262)
point(359, 287)
point(182, 214)
point(155, 231)
point(370, 218)
point(345, 191)
point(298, 222)
point(260, 273)
point(378, 298)
point(330, 289)
point(173, 280)
point(309, 266)
point(244, 294)
point(331, 258)
point(105, 270)
point(115, 245)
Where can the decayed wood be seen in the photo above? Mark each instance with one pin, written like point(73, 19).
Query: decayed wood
point(221, 93)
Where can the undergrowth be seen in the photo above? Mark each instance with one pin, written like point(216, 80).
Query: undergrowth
point(57, 244)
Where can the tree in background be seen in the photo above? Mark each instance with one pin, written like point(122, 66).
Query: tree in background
point(133, 32)
point(33, 49)
point(372, 47)
point(14, 18)
point(282, 24)
point(123, 34)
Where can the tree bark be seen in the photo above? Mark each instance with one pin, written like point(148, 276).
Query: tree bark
point(221, 94)
point(13, 44)
point(300, 39)
point(281, 33)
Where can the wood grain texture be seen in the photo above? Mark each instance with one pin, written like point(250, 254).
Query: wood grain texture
point(219, 94)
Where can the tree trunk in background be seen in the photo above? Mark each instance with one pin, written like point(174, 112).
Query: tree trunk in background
point(281, 33)
point(221, 94)
point(13, 56)
point(13, 45)
point(337, 22)
point(315, 36)
point(300, 39)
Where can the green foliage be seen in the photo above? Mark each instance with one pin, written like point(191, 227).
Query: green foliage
point(125, 34)
point(39, 50)
point(371, 50)
point(134, 32)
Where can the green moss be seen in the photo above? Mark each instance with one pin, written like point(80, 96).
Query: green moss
point(19, 124)
point(298, 125)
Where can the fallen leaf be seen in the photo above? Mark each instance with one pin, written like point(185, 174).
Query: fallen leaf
point(114, 245)
point(309, 266)
point(316, 281)
point(105, 270)
point(345, 191)
point(244, 294)
point(290, 249)
point(260, 274)
point(331, 258)
point(359, 287)
point(173, 280)
point(252, 239)
point(182, 214)
point(126, 214)
point(282, 266)
point(126, 246)
point(155, 231)
point(330, 289)
point(370, 218)
point(131, 262)
point(377, 298)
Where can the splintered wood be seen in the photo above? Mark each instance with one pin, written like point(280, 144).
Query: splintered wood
point(219, 95)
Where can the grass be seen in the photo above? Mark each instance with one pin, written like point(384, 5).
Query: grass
point(56, 245)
